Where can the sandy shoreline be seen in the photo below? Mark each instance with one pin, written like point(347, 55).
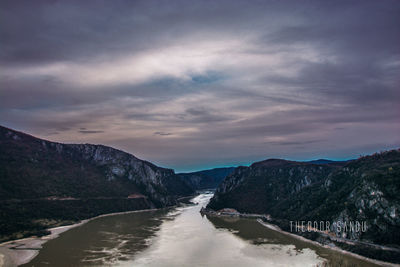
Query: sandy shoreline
point(275, 228)
point(21, 251)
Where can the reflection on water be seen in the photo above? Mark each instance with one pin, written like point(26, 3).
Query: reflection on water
point(182, 237)
point(103, 241)
point(256, 234)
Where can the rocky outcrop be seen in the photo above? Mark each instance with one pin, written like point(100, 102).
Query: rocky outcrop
point(364, 190)
point(35, 168)
point(260, 187)
point(368, 191)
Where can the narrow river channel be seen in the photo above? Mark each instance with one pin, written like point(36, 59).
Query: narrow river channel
point(182, 237)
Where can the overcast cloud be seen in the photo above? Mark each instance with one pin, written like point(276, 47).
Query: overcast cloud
point(197, 84)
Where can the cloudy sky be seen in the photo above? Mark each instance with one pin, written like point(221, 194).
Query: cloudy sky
point(198, 84)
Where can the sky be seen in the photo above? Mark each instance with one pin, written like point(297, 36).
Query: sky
point(192, 85)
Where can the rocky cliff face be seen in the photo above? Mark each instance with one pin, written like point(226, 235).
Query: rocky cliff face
point(263, 185)
point(367, 190)
point(35, 168)
point(364, 190)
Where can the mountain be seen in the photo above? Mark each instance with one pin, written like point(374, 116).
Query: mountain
point(327, 161)
point(206, 179)
point(363, 190)
point(262, 186)
point(50, 177)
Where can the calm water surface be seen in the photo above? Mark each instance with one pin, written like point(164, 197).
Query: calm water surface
point(182, 237)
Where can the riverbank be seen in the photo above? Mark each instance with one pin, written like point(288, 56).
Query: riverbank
point(261, 219)
point(276, 228)
point(21, 251)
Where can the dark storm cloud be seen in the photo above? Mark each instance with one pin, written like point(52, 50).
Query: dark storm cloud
point(234, 81)
point(72, 30)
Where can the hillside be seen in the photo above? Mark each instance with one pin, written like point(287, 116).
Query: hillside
point(263, 185)
point(52, 176)
point(364, 190)
point(206, 179)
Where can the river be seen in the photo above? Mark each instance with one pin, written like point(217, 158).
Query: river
point(182, 237)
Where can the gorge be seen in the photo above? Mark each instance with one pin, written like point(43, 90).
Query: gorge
point(46, 184)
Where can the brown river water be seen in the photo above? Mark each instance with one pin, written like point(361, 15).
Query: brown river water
point(182, 237)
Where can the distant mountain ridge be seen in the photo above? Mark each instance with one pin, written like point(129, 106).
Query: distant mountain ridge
point(320, 161)
point(206, 179)
point(328, 161)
